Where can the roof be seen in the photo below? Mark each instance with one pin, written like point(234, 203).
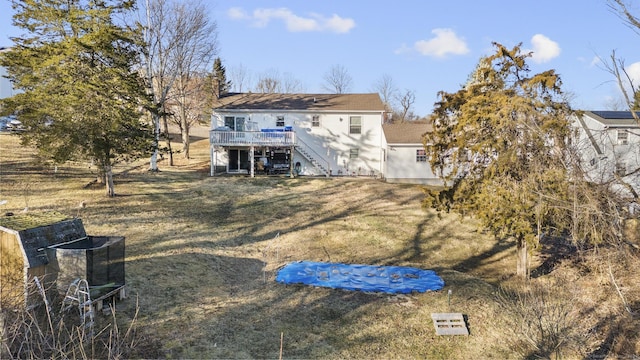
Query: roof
point(614, 118)
point(405, 133)
point(28, 220)
point(39, 231)
point(304, 102)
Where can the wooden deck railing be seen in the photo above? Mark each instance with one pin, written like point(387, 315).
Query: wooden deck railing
point(255, 138)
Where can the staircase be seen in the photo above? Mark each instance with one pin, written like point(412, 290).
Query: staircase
point(313, 157)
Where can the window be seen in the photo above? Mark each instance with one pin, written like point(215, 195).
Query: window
point(623, 137)
point(421, 155)
point(315, 121)
point(353, 153)
point(280, 121)
point(234, 123)
point(355, 125)
point(621, 169)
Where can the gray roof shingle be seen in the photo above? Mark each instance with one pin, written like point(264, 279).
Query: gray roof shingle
point(300, 102)
point(405, 133)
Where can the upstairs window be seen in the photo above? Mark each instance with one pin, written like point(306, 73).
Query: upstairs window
point(355, 125)
point(280, 121)
point(230, 121)
point(623, 137)
point(234, 123)
point(315, 121)
point(421, 155)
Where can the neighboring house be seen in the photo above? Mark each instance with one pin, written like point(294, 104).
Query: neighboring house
point(406, 159)
point(609, 143)
point(305, 134)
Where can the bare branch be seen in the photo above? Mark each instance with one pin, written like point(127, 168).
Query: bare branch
point(387, 90)
point(406, 100)
point(337, 80)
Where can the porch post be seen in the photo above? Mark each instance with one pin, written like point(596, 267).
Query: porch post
point(252, 161)
point(212, 161)
point(291, 163)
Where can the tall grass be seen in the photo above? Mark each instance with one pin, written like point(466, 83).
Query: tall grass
point(52, 330)
point(543, 319)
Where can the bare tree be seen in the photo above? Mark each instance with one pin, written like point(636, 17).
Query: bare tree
point(337, 80)
point(240, 78)
point(291, 84)
point(621, 8)
point(269, 82)
point(268, 85)
point(272, 82)
point(180, 43)
point(193, 53)
point(406, 101)
point(160, 72)
point(387, 90)
point(625, 82)
point(629, 90)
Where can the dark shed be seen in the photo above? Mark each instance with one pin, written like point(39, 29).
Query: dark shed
point(56, 250)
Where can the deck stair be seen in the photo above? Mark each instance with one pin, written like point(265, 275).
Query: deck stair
point(313, 157)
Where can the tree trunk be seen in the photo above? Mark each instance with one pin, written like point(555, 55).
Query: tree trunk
point(100, 178)
point(168, 136)
point(185, 135)
point(153, 162)
point(109, 181)
point(522, 263)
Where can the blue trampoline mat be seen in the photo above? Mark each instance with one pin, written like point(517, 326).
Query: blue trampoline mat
point(389, 279)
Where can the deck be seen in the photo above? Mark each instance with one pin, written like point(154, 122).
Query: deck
point(252, 138)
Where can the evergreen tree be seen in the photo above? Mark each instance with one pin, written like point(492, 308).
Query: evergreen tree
point(81, 98)
point(222, 85)
point(636, 101)
point(500, 145)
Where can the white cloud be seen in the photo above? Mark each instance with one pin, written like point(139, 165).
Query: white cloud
point(544, 49)
point(633, 71)
point(444, 43)
point(403, 49)
point(338, 24)
point(596, 61)
point(237, 13)
point(293, 22)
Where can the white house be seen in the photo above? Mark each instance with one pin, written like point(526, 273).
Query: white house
point(609, 143)
point(406, 160)
point(306, 134)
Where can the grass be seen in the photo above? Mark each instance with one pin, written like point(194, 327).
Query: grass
point(202, 254)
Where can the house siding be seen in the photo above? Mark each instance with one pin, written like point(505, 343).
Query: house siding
point(330, 143)
point(601, 151)
point(402, 166)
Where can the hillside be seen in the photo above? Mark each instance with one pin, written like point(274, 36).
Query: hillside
point(202, 254)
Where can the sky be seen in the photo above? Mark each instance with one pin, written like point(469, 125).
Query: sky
point(423, 46)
